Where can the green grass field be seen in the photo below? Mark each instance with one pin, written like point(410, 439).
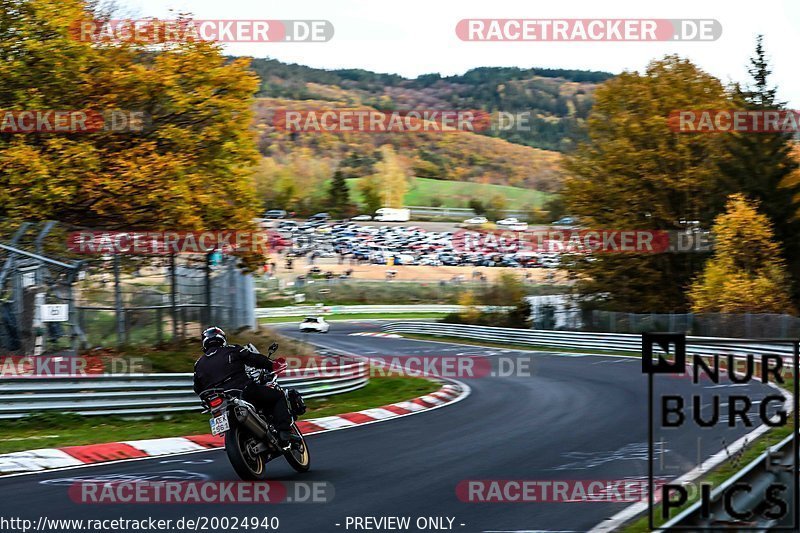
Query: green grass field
point(423, 192)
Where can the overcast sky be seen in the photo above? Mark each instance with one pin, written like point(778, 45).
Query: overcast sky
point(413, 37)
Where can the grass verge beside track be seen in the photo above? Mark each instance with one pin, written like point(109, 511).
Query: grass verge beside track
point(54, 430)
point(512, 346)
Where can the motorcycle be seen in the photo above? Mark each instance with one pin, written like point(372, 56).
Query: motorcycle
point(251, 441)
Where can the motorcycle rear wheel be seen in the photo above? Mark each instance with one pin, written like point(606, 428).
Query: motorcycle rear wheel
point(246, 465)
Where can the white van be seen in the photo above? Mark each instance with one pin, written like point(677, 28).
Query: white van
point(388, 214)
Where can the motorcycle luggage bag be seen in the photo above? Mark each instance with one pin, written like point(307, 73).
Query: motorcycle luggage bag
point(296, 403)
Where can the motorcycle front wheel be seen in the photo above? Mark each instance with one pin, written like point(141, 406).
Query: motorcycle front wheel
point(249, 466)
point(298, 455)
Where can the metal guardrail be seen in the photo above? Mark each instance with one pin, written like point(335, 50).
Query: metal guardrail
point(580, 340)
point(302, 310)
point(773, 466)
point(452, 212)
point(147, 394)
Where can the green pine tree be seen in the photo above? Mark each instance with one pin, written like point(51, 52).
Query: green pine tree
point(339, 195)
point(761, 164)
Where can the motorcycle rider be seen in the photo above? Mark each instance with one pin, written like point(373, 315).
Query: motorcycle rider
point(223, 365)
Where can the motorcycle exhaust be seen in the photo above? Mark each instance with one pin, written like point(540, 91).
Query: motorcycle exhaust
point(249, 419)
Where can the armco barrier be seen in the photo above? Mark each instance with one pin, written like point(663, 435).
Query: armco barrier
point(302, 310)
point(580, 340)
point(773, 466)
point(147, 394)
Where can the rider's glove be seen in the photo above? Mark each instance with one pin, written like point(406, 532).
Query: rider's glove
point(279, 365)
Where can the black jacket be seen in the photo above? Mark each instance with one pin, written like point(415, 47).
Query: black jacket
point(224, 367)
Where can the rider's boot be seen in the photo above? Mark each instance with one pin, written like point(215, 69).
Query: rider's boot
point(286, 437)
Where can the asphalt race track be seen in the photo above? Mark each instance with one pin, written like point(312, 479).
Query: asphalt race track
point(575, 418)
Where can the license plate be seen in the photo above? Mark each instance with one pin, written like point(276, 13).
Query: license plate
point(219, 425)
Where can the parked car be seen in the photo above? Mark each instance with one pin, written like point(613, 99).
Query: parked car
point(404, 259)
point(288, 224)
point(314, 323)
point(275, 214)
point(507, 221)
point(319, 217)
point(550, 260)
point(429, 260)
point(361, 218)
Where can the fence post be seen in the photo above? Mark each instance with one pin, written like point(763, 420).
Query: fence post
point(118, 303)
point(182, 321)
point(159, 332)
point(173, 296)
point(208, 317)
point(81, 319)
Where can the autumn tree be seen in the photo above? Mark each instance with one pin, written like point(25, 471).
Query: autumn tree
point(392, 178)
point(496, 207)
point(296, 184)
point(506, 290)
point(635, 173)
point(371, 192)
point(746, 273)
point(191, 165)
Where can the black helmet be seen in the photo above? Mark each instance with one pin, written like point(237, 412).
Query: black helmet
point(213, 337)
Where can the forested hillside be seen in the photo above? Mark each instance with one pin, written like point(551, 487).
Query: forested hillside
point(559, 100)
